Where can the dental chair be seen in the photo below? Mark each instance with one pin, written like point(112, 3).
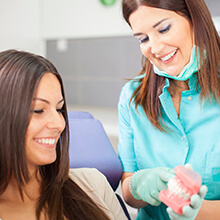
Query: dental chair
point(91, 148)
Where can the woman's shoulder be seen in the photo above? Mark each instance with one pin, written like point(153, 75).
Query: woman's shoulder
point(135, 81)
point(131, 85)
point(87, 178)
point(95, 184)
point(85, 173)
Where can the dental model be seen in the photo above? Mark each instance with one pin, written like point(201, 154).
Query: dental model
point(180, 188)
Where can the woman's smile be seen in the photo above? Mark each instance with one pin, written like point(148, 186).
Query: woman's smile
point(46, 141)
point(167, 58)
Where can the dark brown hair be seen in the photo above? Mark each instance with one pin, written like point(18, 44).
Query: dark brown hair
point(206, 38)
point(61, 198)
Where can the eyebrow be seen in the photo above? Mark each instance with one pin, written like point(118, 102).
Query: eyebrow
point(44, 100)
point(155, 25)
point(158, 23)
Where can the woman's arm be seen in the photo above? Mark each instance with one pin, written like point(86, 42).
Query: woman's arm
point(129, 199)
point(145, 186)
point(209, 210)
point(108, 195)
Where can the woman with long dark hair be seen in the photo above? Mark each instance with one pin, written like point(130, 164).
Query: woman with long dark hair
point(35, 179)
point(169, 115)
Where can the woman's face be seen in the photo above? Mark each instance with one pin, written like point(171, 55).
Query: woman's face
point(46, 122)
point(165, 37)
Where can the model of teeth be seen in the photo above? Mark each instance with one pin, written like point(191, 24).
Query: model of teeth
point(176, 188)
point(168, 56)
point(180, 188)
point(49, 141)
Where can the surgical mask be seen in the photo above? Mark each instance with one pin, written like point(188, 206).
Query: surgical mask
point(186, 72)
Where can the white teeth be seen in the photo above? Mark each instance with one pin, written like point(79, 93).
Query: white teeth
point(49, 141)
point(168, 56)
point(176, 188)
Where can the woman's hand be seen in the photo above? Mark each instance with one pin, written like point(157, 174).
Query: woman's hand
point(146, 184)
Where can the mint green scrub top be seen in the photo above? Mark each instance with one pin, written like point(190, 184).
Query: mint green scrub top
point(194, 138)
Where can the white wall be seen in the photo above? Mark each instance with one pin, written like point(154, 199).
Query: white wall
point(82, 18)
point(20, 26)
point(217, 23)
point(26, 24)
point(68, 19)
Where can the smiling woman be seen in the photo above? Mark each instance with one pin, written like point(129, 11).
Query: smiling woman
point(35, 180)
point(164, 110)
point(157, 37)
point(46, 122)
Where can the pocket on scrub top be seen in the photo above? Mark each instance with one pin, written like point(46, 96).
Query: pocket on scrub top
point(212, 174)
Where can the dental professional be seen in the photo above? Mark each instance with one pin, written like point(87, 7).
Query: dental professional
point(169, 114)
point(36, 182)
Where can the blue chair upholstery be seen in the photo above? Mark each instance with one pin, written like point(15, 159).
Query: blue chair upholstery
point(90, 147)
point(79, 115)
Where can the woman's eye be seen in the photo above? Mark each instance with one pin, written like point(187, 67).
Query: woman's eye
point(164, 30)
point(38, 111)
point(143, 40)
point(60, 110)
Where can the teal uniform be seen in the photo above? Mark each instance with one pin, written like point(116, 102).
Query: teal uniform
point(194, 138)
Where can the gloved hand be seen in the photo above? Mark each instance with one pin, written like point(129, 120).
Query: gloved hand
point(190, 212)
point(146, 184)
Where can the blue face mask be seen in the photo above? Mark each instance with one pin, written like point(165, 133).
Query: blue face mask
point(186, 72)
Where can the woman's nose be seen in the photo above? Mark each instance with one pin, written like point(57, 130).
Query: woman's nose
point(156, 46)
point(56, 121)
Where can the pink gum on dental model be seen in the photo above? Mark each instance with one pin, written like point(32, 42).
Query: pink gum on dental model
point(180, 188)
